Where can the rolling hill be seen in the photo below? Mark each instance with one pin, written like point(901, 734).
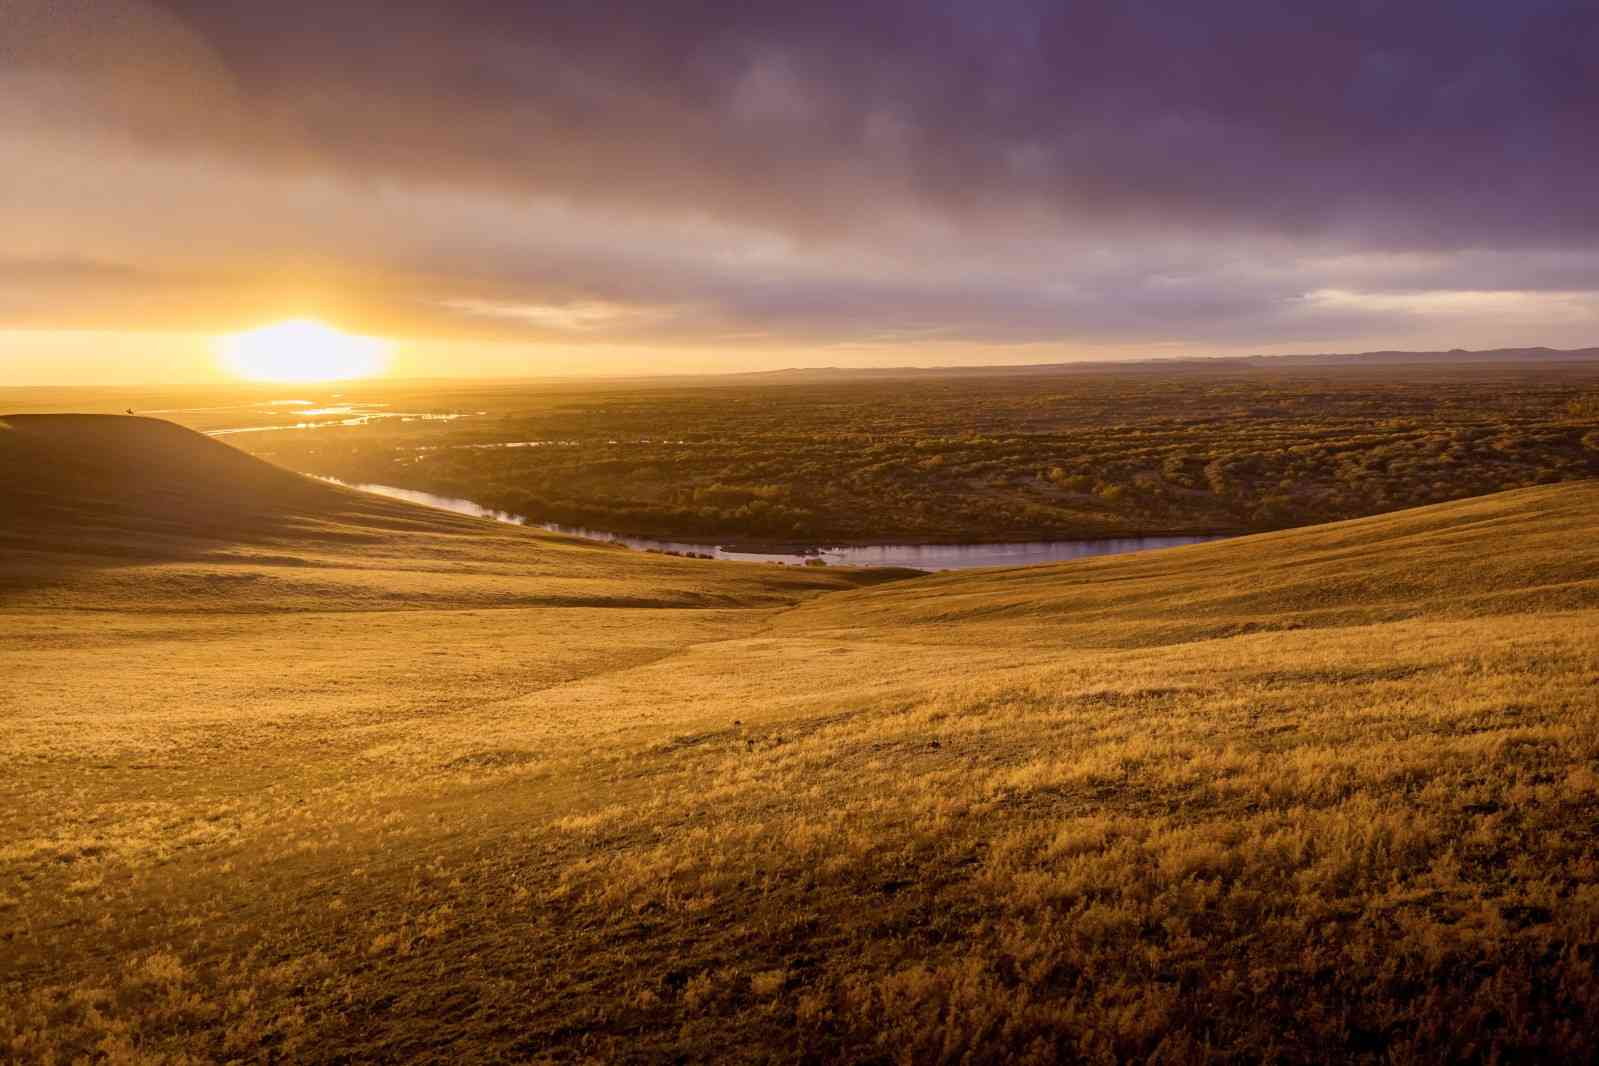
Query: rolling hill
point(102, 506)
point(294, 774)
point(1511, 552)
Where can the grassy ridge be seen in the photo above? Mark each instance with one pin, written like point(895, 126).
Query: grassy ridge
point(1452, 560)
point(1322, 795)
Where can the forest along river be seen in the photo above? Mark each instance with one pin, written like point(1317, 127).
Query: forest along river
point(919, 556)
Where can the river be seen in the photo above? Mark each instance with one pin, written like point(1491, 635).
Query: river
point(919, 556)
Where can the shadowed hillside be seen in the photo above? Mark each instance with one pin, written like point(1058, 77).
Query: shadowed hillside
point(134, 487)
point(1326, 795)
point(108, 506)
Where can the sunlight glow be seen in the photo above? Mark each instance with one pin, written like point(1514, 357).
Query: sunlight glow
point(302, 349)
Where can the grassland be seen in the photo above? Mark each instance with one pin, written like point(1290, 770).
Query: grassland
point(326, 778)
point(1186, 450)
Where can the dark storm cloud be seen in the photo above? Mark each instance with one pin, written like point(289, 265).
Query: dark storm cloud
point(996, 172)
point(1444, 123)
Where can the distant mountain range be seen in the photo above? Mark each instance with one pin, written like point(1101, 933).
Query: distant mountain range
point(1242, 362)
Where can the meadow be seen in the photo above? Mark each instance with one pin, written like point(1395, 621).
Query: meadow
point(290, 773)
point(927, 458)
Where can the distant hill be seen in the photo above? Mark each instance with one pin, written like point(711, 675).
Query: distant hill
point(1523, 356)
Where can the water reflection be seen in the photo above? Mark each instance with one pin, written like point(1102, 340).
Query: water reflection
point(361, 419)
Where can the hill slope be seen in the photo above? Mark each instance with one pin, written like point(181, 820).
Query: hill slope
point(1525, 550)
point(1325, 795)
point(102, 508)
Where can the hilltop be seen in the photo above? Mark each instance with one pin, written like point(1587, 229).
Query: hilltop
point(1317, 795)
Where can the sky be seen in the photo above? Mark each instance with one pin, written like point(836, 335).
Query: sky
point(584, 187)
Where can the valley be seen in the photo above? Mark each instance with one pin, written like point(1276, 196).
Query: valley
point(292, 772)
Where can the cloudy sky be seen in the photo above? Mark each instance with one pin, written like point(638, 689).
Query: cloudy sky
point(581, 186)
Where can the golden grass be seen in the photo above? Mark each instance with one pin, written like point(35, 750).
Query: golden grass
point(1317, 796)
point(1524, 550)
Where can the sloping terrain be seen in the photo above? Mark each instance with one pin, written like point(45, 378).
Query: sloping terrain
point(445, 791)
point(105, 511)
point(1512, 552)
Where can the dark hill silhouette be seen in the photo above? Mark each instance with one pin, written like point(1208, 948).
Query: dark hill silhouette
point(89, 482)
point(81, 495)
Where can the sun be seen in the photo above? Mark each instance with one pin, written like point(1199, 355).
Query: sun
point(302, 349)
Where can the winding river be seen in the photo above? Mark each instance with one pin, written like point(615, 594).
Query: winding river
point(919, 556)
